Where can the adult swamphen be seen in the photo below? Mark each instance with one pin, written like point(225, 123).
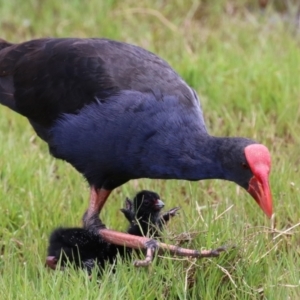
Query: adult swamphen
point(117, 112)
point(84, 249)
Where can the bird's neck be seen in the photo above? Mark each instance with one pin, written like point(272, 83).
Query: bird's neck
point(204, 161)
point(191, 158)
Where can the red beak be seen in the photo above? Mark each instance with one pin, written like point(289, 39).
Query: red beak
point(261, 192)
point(259, 161)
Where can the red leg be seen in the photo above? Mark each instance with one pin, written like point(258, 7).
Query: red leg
point(98, 198)
point(138, 242)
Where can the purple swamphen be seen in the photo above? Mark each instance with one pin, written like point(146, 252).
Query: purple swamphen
point(117, 112)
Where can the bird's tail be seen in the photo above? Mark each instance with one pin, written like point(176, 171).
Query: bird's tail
point(6, 81)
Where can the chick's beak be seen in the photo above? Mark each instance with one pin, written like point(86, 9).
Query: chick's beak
point(159, 204)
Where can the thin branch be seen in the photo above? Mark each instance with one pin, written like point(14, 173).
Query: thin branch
point(268, 251)
point(225, 211)
point(286, 231)
point(228, 274)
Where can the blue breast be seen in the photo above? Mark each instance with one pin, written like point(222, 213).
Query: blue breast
point(132, 133)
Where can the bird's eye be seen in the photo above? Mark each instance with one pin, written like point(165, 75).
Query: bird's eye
point(245, 166)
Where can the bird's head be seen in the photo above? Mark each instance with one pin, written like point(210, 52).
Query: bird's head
point(259, 162)
point(147, 202)
point(248, 164)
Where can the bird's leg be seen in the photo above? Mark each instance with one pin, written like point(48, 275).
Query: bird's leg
point(138, 242)
point(92, 222)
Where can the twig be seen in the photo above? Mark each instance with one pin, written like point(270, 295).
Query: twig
point(286, 285)
point(268, 251)
point(173, 258)
point(199, 208)
point(227, 273)
point(187, 275)
point(225, 211)
point(19, 243)
point(285, 231)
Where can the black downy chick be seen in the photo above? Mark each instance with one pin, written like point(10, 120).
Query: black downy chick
point(143, 214)
point(83, 249)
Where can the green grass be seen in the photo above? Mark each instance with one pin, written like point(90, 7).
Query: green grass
point(245, 65)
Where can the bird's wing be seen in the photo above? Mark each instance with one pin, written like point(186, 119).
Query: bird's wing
point(44, 78)
point(52, 76)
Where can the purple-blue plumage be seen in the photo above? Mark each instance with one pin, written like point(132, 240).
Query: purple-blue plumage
point(113, 142)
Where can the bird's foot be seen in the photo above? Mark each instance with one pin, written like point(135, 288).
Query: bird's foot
point(92, 223)
point(51, 262)
point(151, 246)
